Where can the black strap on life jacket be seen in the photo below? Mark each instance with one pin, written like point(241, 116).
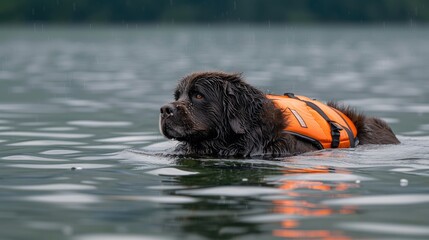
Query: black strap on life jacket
point(353, 141)
point(310, 140)
point(335, 127)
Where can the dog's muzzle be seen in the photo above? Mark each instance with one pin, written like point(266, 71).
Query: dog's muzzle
point(168, 110)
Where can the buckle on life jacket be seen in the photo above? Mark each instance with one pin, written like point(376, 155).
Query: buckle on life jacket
point(335, 133)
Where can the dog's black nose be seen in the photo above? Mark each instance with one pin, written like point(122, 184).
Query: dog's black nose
point(168, 110)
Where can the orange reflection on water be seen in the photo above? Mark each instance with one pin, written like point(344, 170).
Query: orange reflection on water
point(308, 234)
point(304, 208)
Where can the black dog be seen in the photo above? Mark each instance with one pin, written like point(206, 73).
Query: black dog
point(218, 114)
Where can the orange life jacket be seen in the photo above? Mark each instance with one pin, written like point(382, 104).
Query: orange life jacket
point(324, 126)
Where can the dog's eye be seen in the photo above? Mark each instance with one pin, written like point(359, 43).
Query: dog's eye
point(199, 96)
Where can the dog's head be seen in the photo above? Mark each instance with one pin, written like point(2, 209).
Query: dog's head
point(209, 106)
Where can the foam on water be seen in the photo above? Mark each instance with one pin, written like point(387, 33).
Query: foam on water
point(268, 218)
point(91, 123)
point(61, 166)
point(158, 199)
point(388, 199)
point(386, 228)
point(127, 139)
point(52, 187)
point(45, 143)
point(360, 157)
point(112, 147)
point(165, 187)
point(99, 157)
point(34, 124)
point(43, 134)
point(64, 198)
point(59, 152)
point(57, 129)
point(160, 146)
point(32, 158)
point(170, 172)
point(145, 160)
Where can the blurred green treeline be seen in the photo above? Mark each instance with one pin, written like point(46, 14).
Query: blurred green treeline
point(213, 11)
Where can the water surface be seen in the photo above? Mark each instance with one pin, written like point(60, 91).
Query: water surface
point(78, 104)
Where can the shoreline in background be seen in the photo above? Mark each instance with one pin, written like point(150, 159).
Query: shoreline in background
point(41, 25)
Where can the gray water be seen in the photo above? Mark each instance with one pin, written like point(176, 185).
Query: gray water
point(77, 105)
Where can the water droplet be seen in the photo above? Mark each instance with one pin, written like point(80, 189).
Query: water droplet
point(403, 182)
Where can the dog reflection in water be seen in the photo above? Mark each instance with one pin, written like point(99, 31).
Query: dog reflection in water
point(306, 189)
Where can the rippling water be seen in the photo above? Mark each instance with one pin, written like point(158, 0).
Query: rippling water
point(78, 104)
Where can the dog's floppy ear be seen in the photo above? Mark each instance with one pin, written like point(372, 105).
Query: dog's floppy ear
point(235, 119)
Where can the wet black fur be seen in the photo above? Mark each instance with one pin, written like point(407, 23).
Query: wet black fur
point(234, 119)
